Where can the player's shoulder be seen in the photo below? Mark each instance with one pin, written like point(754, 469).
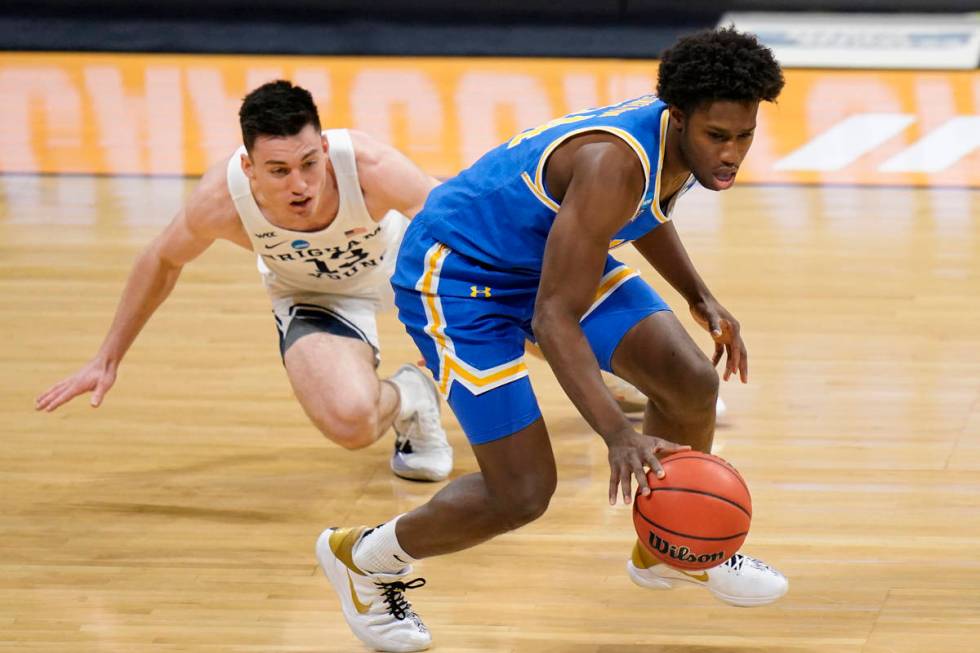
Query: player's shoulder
point(367, 149)
point(209, 207)
point(598, 152)
point(375, 159)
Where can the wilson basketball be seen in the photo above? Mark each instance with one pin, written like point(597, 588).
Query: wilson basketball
point(698, 515)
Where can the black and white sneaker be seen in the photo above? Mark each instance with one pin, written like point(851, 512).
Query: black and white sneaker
point(422, 451)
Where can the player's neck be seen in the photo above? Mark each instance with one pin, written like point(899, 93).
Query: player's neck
point(329, 201)
point(675, 169)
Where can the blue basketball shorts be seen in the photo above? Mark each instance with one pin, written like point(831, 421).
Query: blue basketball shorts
point(471, 322)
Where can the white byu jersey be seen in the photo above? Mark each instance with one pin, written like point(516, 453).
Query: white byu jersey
point(353, 256)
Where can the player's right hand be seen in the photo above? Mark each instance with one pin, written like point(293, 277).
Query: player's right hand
point(97, 376)
point(629, 452)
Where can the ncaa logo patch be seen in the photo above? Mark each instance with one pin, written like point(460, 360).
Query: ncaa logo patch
point(299, 244)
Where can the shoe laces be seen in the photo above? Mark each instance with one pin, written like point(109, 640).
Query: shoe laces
point(394, 596)
point(737, 561)
point(402, 443)
point(420, 433)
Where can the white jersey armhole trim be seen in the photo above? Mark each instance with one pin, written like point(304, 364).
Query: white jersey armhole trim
point(241, 194)
point(344, 159)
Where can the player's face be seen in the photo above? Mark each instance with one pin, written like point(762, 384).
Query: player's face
point(715, 139)
point(288, 172)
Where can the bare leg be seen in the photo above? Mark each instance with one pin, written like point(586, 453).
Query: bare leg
point(516, 480)
point(336, 384)
point(369, 568)
point(659, 357)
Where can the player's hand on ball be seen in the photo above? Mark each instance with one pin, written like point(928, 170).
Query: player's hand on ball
point(629, 453)
point(96, 377)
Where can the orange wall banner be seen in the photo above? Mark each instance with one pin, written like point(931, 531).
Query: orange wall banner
point(177, 114)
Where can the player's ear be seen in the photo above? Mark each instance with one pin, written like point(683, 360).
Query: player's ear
point(247, 167)
point(323, 142)
point(677, 118)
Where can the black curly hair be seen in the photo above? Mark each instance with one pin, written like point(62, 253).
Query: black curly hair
point(276, 109)
point(719, 64)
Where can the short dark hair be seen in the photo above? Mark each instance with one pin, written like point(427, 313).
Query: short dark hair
point(276, 109)
point(718, 64)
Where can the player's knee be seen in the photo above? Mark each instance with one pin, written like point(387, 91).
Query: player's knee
point(525, 502)
point(352, 426)
point(515, 515)
point(697, 389)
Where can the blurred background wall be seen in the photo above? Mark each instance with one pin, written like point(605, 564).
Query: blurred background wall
point(571, 28)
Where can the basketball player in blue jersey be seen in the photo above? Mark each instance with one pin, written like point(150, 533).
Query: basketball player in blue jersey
point(323, 212)
point(517, 246)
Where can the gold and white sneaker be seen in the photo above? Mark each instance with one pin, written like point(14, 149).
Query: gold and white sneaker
point(631, 400)
point(422, 451)
point(741, 580)
point(374, 605)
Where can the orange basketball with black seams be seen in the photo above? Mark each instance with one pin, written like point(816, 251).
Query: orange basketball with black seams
point(698, 515)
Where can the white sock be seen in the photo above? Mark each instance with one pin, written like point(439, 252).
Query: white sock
point(378, 551)
point(405, 407)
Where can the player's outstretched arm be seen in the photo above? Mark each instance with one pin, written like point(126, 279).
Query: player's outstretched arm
point(604, 184)
point(150, 281)
point(663, 249)
point(388, 174)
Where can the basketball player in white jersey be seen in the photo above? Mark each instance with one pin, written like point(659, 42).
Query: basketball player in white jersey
point(324, 212)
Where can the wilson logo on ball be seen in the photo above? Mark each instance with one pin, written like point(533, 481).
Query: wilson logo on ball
point(682, 553)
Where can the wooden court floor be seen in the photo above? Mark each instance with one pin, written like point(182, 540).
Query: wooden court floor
point(181, 515)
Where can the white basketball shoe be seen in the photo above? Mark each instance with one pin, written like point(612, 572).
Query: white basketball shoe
point(374, 605)
point(741, 580)
point(422, 452)
point(631, 400)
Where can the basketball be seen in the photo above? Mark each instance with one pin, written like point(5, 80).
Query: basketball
point(698, 515)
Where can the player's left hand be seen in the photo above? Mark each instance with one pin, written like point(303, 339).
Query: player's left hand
point(726, 333)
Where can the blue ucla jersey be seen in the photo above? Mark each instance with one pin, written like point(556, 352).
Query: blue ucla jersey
point(469, 267)
point(498, 212)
